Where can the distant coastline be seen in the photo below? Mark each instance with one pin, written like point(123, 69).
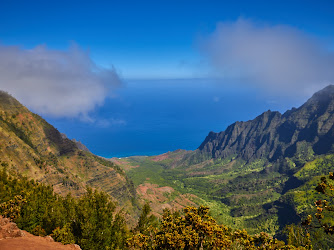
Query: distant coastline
point(142, 153)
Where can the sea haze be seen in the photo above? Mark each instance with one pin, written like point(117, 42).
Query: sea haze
point(149, 117)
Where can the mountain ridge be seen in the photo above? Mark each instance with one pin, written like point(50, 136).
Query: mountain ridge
point(33, 148)
point(273, 135)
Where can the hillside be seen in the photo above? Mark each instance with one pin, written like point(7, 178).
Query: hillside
point(257, 174)
point(32, 147)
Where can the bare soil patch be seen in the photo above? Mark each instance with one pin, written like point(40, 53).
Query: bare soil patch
point(12, 238)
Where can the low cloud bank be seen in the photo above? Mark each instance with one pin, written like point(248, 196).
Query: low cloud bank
point(279, 59)
point(56, 83)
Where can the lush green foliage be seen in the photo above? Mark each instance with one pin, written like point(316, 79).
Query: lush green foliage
point(323, 217)
point(297, 235)
point(238, 193)
point(196, 229)
point(258, 196)
point(90, 221)
point(146, 220)
point(318, 226)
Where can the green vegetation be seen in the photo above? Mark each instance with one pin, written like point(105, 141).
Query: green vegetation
point(321, 223)
point(90, 221)
point(196, 229)
point(261, 199)
point(235, 191)
point(150, 172)
point(34, 148)
point(319, 166)
point(259, 196)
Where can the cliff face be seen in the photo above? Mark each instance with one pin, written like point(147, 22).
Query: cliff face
point(272, 135)
point(32, 147)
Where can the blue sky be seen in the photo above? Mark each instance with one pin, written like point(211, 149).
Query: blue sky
point(148, 39)
point(145, 77)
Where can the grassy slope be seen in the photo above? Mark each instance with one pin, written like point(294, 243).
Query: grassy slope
point(303, 197)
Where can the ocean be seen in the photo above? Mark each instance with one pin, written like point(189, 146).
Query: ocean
point(150, 117)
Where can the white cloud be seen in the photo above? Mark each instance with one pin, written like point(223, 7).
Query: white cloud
point(280, 59)
point(55, 83)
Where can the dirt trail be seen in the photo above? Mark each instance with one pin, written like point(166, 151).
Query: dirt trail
point(12, 238)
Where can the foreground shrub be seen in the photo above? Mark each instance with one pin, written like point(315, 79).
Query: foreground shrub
point(196, 229)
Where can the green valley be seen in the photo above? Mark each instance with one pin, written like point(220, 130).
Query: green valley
point(258, 175)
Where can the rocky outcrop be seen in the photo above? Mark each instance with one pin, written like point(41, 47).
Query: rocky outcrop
point(9, 229)
point(80, 145)
point(12, 238)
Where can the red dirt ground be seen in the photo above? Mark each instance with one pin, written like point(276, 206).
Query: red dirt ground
point(159, 198)
point(160, 157)
point(12, 238)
